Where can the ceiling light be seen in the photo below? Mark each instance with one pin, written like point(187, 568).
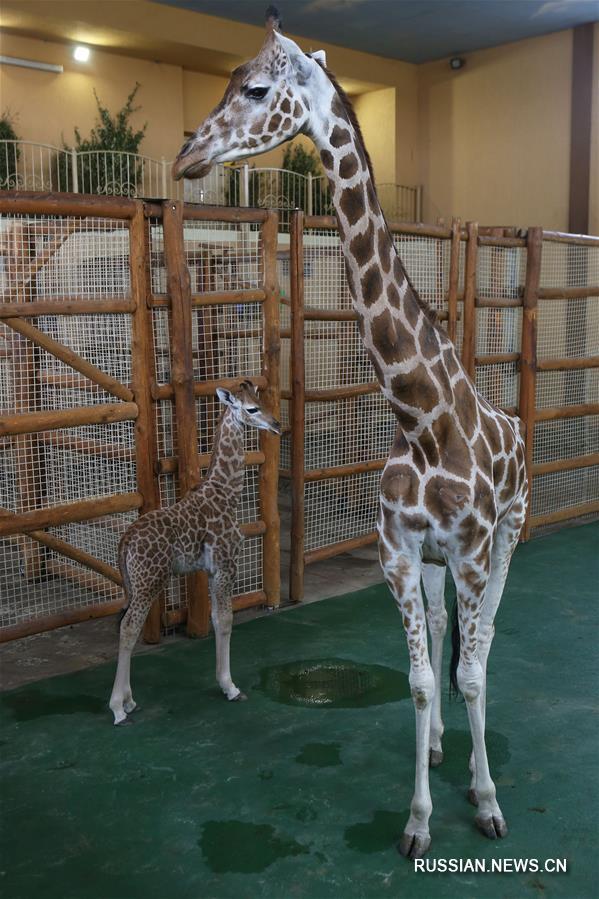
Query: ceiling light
point(456, 62)
point(81, 54)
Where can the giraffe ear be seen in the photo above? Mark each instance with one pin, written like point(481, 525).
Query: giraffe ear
point(225, 396)
point(320, 56)
point(299, 61)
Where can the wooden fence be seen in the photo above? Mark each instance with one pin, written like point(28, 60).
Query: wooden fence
point(486, 285)
point(118, 321)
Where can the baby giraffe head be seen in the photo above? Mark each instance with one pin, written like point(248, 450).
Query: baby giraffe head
point(267, 102)
point(246, 407)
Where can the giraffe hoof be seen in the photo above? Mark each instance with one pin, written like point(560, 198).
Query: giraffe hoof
point(130, 706)
point(413, 845)
point(492, 827)
point(435, 758)
point(472, 797)
point(241, 697)
point(123, 722)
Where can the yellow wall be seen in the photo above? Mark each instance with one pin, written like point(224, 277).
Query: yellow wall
point(376, 114)
point(47, 106)
point(494, 136)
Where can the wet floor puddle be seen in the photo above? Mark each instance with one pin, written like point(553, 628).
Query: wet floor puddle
point(245, 848)
point(333, 683)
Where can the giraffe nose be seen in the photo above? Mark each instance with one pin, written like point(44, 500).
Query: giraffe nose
point(191, 161)
point(276, 426)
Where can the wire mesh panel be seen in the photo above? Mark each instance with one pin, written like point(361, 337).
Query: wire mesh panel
point(348, 426)
point(566, 440)
point(58, 368)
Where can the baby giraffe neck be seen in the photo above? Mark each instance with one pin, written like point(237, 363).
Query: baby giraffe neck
point(227, 463)
point(397, 329)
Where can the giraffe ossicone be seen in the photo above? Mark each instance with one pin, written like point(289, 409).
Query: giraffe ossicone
point(198, 533)
point(454, 490)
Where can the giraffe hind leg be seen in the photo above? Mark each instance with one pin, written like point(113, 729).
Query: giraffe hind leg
point(121, 699)
point(433, 579)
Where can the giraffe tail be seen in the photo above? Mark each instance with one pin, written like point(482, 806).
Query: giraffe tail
point(454, 690)
point(122, 558)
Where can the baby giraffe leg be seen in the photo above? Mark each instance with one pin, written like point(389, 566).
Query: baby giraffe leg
point(221, 587)
point(470, 585)
point(433, 578)
point(121, 699)
point(402, 573)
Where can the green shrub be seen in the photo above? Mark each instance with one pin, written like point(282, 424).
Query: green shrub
point(96, 173)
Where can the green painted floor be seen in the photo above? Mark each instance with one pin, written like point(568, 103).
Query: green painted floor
point(200, 798)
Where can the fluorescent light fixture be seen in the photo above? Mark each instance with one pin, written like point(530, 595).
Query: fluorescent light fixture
point(30, 64)
point(81, 53)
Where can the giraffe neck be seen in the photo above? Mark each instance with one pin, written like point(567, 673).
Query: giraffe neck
point(227, 463)
point(397, 329)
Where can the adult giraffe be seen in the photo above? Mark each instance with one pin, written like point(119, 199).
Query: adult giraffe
point(454, 489)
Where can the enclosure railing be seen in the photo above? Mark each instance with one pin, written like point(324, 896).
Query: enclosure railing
point(26, 165)
point(523, 313)
point(109, 361)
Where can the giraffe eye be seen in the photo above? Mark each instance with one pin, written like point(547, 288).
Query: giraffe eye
point(256, 93)
point(252, 410)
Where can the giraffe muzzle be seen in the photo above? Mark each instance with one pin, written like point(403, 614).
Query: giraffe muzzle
point(191, 163)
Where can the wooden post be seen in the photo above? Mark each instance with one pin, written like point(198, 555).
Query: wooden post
point(142, 378)
point(296, 271)
point(469, 339)
point(179, 290)
point(528, 361)
point(269, 443)
point(454, 274)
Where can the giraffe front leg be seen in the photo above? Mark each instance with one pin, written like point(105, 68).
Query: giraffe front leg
point(221, 585)
point(471, 582)
point(402, 573)
point(433, 578)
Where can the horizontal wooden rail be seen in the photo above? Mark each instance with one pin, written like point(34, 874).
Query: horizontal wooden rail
point(498, 302)
point(205, 213)
point(562, 237)
point(83, 307)
point(30, 422)
point(335, 549)
point(66, 513)
point(567, 293)
point(340, 393)
point(312, 314)
point(591, 508)
point(344, 471)
point(213, 298)
point(552, 413)
point(497, 358)
point(207, 388)
point(566, 464)
point(486, 240)
point(21, 202)
point(567, 364)
point(60, 619)
point(170, 464)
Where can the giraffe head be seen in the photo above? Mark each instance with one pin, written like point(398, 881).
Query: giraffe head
point(267, 102)
point(246, 407)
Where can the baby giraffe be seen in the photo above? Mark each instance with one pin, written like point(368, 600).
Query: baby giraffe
point(199, 533)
